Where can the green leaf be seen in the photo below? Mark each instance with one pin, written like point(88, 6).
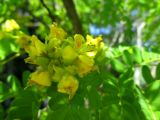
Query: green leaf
point(78, 99)
point(22, 113)
point(25, 97)
point(127, 57)
point(59, 114)
point(1, 113)
point(94, 98)
point(152, 93)
point(147, 74)
point(88, 88)
point(158, 72)
point(14, 83)
point(91, 79)
point(110, 99)
point(126, 76)
point(118, 65)
point(25, 77)
point(7, 46)
point(112, 112)
point(146, 107)
point(1, 89)
point(146, 56)
point(125, 111)
point(69, 113)
point(137, 54)
point(58, 101)
point(25, 106)
point(4, 92)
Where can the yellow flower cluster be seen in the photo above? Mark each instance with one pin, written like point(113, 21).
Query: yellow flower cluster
point(61, 58)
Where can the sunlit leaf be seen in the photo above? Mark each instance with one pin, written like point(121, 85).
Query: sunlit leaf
point(118, 65)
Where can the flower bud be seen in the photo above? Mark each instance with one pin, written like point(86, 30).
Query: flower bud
point(69, 54)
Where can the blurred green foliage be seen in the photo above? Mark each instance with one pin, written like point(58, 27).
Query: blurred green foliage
point(112, 93)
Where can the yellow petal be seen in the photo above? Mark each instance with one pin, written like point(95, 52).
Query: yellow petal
point(83, 68)
point(10, 25)
point(37, 47)
point(41, 78)
point(86, 60)
point(93, 41)
point(38, 44)
point(79, 39)
point(91, 54)
point(89, 38)
point(69, 85)
point(53, 42)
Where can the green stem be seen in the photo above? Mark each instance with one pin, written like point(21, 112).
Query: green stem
point(11, 58)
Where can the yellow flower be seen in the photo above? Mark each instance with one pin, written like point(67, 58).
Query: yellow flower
point(60, 59)
point(41, 78)
point(69, 54)
point(36, 47)
point(69, 85)
point(93, 41)
point(84, 65)
point(57, 32)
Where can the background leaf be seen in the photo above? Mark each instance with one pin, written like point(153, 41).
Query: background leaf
point(147, 74)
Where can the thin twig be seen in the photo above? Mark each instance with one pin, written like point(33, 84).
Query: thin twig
point(11, 58)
